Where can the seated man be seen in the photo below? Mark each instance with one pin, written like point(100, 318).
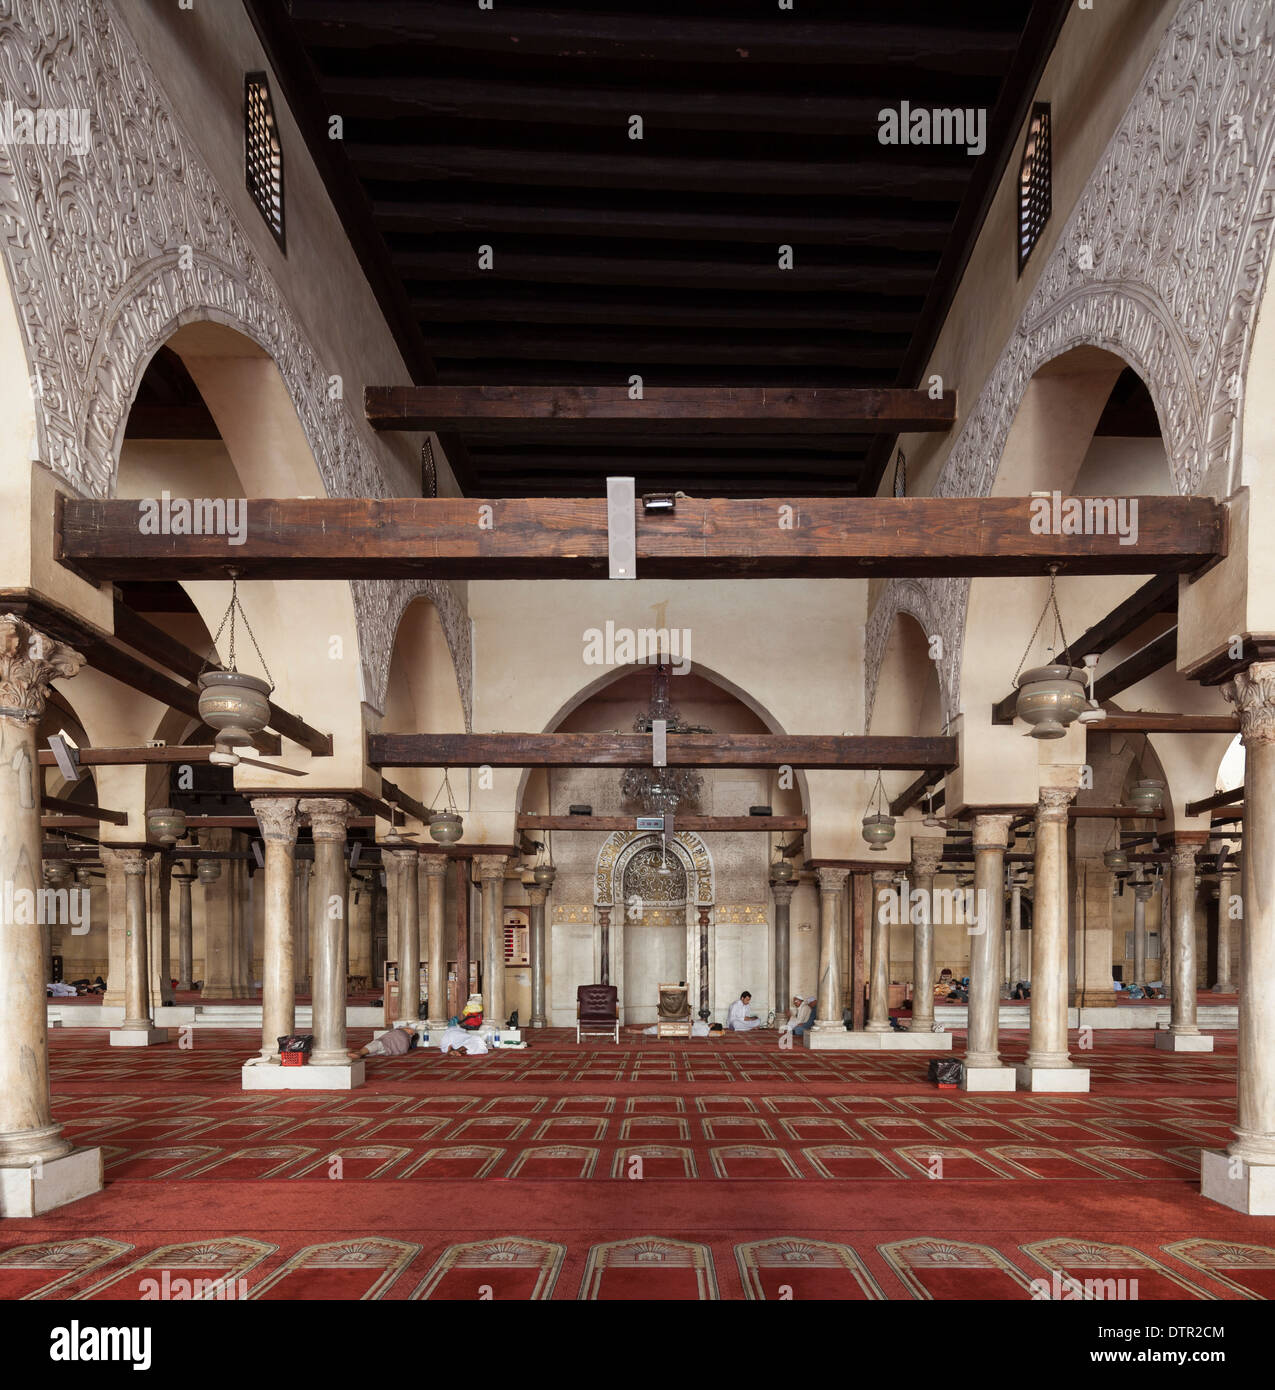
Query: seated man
point(394, 1042)
point(738, 1019)
point(945, 985)
point(802, 1016)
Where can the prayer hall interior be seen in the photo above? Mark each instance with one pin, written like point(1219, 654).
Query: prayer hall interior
point(637, 659)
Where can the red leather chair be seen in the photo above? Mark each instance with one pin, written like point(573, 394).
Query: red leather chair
point(598, 1011)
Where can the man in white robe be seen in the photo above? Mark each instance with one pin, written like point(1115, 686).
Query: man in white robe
point(738, 1018)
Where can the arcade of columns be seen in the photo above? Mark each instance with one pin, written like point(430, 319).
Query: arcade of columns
point(306, 930)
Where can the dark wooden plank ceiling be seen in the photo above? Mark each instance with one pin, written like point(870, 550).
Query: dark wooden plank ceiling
point(612, 257)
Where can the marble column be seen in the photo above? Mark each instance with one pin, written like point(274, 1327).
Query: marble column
point(408, 933)
point(537, 897)
point(1141, 896)
point(883, 884)
point(433, 868)
point(782, 893)
point(277, 817)
point(29, 1137)
point(926, 857)
point(1015, 933)
point(832, 884)
point(705, 992)
point(1166, 934)
point(984, 1070)
point(328, 817)
point(1244, 1176)
point(1183, 1034)
point(218, 982)
point(1049, 1066)
point(491, 876)
point(185, 932)
point(604, 945)
point(138, 1028)
point(1224, 983)
point(159, 887)
point(301, 916)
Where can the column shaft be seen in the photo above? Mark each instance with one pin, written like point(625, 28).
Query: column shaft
point(1047, 1046)
point(409, 934)
point(185, 933)
point(277, 817)
point(991, 839)
point(783, 908)
point(537, 897)
point(434, 868)
point(328, 818)
point(879, 980)
point(137, 1009)
point(926, 856)
point(1183, 1010)
point(491, 874)
point(832, 884)
point(1015, 935)
point(1224, 983)
point(1141, 894)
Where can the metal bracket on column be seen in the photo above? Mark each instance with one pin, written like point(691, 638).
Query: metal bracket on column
point(622, 528)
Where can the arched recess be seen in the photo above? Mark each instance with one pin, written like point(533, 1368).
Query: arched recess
point(1162, 260)
point(619, 849)
point(421, 693)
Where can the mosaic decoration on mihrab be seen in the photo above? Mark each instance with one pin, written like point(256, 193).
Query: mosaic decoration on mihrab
point(573, 912)
point(1177, 221)
point(643, 878)
point(742, 915)
point(620, 847)
point(109, 252)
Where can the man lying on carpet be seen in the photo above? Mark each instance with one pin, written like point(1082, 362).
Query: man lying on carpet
point(392, 1043)
point(461, 1034)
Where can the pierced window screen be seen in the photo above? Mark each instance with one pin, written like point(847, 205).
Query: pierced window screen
point(263, 154)
point(1035, 182)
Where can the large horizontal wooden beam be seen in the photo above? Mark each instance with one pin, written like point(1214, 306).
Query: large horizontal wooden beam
point(699, 824)
point(805, 751)
point(1211, 803)
point(265, 744)
point(62, 807)
point(567, 538)
point(686, 409)
point(1141, 723)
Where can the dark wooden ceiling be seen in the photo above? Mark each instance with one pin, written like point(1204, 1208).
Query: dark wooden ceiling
point(658, 257)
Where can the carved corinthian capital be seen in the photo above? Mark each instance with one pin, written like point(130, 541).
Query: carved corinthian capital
point(277, 817)
point(490, 866)
point(1054, 803)
point(1252, 692)
point(927, 855)
point(1182, 857)
point(992, 832)
point(29, 660)
point(783, 892)
point(832, 880)
point(328, 816)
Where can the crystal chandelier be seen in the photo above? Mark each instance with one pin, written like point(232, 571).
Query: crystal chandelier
point(659, 791)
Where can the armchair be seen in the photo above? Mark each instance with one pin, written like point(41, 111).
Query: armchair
point(597, 1011)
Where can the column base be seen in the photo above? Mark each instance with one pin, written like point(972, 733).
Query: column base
point(1236, 1183)
point(138, 1037)
point(37, 1188)
point(1167, 1041)
point(989, 1079)
point(877, 1028)
point(1225, 987)
point(1051, 1078)
point(921, 1025)
point(843, 1041)
point(276, 1077)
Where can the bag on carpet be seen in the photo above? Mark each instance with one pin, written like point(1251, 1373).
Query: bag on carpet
point(946, 1071)
point(296, 1042)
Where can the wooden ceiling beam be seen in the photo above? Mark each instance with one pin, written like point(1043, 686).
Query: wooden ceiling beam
point(266, 745)
point(1141, 723)
point(1212, 803)
point(806, 751)
point(687, 410)
point(699, 824)
point(549, 538)
point(77, 809)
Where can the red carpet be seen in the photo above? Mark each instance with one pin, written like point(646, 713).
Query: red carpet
point(650, 1170)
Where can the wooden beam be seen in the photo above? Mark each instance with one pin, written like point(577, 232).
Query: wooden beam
point(1211, 803)
point(914, 793)
point(688, 409)
point(699, 824)
point(807, 751)
point(1157, 595)
point(704, 538)
point(266, 745)
point(79, 810)
point(1144, 723)
point(1159, 652)
point(408, 804)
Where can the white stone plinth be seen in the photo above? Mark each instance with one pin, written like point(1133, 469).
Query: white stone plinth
point(138, 1037)
point(1052, 1078)
point(989, 1079)
point(844, 1041)
point(1235, 1183)
point(29, 1191)
point(1183, 1042)
point(273, 1076)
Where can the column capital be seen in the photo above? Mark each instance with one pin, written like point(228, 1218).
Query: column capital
point(832, 880)
point(927, 855)
point(1142, 892)
point(1183, 856)
point(277, 818)
point(434, 865)
point(783, 892)
point(1252, 692)
point(405, 855)
point(992, 831)
point(29, 661)
point(537, 897)
point(131, 861)
point(881, 878)
point(328, 816)
point(1054, 803)
point(491, 866)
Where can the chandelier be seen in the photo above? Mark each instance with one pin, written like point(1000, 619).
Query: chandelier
point(660, 791)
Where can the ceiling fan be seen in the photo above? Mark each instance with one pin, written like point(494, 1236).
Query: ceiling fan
point(227, 757)
point(933, 820)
